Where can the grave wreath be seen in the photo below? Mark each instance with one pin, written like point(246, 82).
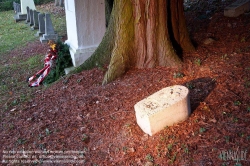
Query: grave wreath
point(63, 61)
point(57, 59)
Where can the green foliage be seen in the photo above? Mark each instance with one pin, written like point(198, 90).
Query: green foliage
point(202, 130)
point(248, 109)
point(47, 131)
point(190, 85)
point(178, 75)
point(237, 103)
point(6, 5)
point(170, 146)
point(197, 62)
point(85, 138)
point(149, 158)
point(63, 61)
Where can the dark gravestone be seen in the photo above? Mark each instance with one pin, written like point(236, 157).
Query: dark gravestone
point(49, 30)
point(14, 6)
point(18, 8)
point(31, 18)
point(35, 19)
point(56, 2)
point(41, 24)
point(18, 16)
point(61, 3)
point(28, 15)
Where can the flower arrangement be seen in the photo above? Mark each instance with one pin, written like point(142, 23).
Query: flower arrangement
point(56, 60)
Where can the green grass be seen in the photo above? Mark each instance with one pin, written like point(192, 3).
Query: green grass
point(59, 24)
point(15, 70)
point(13, 80)
point(33, 62)
point(13, 35)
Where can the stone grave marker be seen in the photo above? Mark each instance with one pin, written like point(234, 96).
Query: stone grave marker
point(56, 2)
point(18, 8)
point(61, 3)
point(85, 27)
point(18, 16)
point(41, 24)
point(28, 15)
point(166, 107)
point(237, 8)
point(22, 13)
point(49, 30)
point(31, 18)
point(35, 19)
point(14, 6)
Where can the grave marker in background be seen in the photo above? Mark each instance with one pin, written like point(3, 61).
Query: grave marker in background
point(15, 7)
point(22, 14)
point(18, 16)
point(28, 15)
point(237, 8)
point(56, 2)
point(35, 18)
point(31, 18)
point(18, 8)
point(41, 24)
point(61, 3)
point(49, 30)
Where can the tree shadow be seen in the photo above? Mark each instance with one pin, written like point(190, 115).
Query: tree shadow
point(199, 90)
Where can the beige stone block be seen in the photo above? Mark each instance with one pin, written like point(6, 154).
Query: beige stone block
point(237, 8)
point(164, 108)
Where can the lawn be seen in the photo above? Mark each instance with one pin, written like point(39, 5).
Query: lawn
point(13, 35)
point(21, 56)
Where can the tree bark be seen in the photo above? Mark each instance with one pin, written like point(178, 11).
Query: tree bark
point(141, 34)
point(179, 28)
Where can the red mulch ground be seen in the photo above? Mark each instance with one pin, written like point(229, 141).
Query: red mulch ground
point(79, 114)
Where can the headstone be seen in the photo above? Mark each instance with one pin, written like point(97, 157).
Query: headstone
point(61, 3)
point(31, 18)
point(18, 8)
point(237, 8)
point(49, 30)
point(56, 2)
point(166, 107)
point(14, 6)
point(35, 19)
point(85, 27)
point(29, 3)
point(18, 16)
point(41, 24)
point(28, 15)
point(22, 13)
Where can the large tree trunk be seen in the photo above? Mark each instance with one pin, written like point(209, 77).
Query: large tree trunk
point(178, 26)
point(144, 34)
